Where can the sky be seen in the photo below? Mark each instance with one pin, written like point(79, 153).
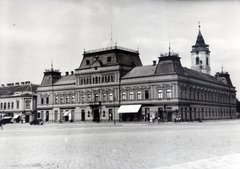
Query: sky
point(36, 33)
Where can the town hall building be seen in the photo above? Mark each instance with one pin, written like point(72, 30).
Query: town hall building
point(112, 84)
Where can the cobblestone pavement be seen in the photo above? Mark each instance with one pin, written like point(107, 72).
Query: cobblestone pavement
point(207, 145)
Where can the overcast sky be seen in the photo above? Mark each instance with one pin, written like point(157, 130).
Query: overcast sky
point(34, 32)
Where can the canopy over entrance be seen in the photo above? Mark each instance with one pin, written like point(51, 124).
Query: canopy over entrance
point(129, 108)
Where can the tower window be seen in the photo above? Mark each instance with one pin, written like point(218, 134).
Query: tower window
point(207, 61)
point(197, 60)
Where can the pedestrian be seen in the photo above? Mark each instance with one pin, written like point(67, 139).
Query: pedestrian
point(158, 119)
point(1, 124)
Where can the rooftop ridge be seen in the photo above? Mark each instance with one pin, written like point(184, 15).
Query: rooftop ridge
point(110, 48)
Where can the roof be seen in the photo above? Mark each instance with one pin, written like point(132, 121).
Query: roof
point(200, 75)
point(10, 90)
point(141, 71)
point(69, 79)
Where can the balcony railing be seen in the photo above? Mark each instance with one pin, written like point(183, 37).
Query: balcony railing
point(110, 48)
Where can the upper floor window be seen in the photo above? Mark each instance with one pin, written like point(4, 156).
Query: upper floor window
point(12, 105)
point(47, 100)
point(110, 97)
point(56, 100)
point(73, 99)
point(104, 97)
point(96, 97)
point(1, 105)
point(131, 96)
point(169, 93)
point(207, 61)
point(67, 99)
point(8, 105)
point(89, 98)
point(42, 100)
point(27, 103)
point(61, 99)
point(83, 98)
point(139, 95)
point(123, 96)
point(4, 107)
point(160, 94)
point(17, 104)
point(146, 94)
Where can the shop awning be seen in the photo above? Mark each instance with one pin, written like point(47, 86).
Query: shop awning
point(66, 113)
point(7, 117)
point(129, 108)
point(15, 116)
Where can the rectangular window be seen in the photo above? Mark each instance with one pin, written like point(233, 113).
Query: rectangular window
point(61, 99)
point(131, 96)
point(56, 100)
point(42, 100)
point(47, 100)
point(139, 95)
point(160, 94)
point(8, 105)
point(1, 105)
point(73, 99)
point(83, 98)
point(123, 96)
point(12, 105)
point(67, 99)
point(96, 98)
point(27, 103)
point(17, 104)
point(104, 97)
point(146, 94)
point(169, 93)
point(38, 115)
point(89, 98)
point(110, 97)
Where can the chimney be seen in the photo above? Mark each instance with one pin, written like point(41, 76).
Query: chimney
point(154, 62)
point(66, 73)
point(72, 72)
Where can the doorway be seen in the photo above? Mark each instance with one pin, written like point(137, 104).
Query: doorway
point(83, 115)
point(96, 115)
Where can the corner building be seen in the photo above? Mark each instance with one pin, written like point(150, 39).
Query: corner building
point(112, 83)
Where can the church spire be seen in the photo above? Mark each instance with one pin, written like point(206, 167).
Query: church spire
point(200, 40)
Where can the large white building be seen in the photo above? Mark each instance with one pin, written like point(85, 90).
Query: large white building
point(112, 83)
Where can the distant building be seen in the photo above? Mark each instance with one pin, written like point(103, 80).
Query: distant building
point(112, 83)
point(18, 102)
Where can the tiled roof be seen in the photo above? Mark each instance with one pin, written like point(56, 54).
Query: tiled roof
point(69, 79)
point(199, 75)
point(141, 71)
point(10, 90)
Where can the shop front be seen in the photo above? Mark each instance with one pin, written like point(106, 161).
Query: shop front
point(130, 113)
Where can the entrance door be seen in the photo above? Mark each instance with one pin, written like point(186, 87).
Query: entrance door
point(27, 118)
point(96, 116)
point(83, 115)
point(169, 116)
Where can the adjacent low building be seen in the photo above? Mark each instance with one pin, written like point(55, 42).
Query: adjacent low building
point(18, 102)
point(112, 84)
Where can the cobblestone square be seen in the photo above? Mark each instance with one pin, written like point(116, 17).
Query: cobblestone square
point(214, 144)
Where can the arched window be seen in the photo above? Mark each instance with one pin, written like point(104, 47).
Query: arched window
point(197, 60)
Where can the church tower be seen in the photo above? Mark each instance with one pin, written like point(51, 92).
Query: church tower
point(200, 55)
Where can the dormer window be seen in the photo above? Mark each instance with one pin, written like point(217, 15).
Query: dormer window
point(87, 62)
point(109, 59)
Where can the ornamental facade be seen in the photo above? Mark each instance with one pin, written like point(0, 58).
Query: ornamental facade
point(112, 84)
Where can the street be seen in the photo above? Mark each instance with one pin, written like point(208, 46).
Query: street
point(213, 144)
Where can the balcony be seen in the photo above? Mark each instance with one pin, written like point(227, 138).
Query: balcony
point(95, 103)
